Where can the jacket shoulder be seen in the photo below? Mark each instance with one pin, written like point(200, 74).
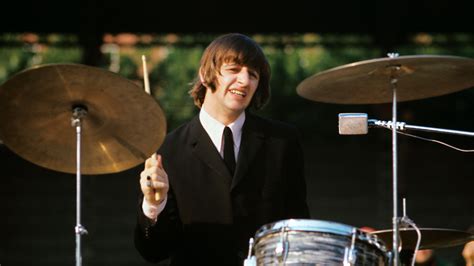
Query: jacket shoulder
point(177, 137)
point(275, 128)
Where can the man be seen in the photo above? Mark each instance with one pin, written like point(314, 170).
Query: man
point(468, 253)
point(428, 257)
point(202, 200)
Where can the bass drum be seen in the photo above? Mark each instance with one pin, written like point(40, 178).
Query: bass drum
point(316, 242)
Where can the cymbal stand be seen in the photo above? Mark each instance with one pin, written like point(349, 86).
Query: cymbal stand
point(406, 222)
point(78, 113)
point(395, 219)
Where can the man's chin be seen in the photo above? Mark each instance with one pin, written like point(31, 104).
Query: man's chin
point(237, 107)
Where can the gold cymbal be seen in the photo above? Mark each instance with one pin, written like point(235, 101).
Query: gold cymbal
point(431, 238)
point(123, 125)
point(368, 82)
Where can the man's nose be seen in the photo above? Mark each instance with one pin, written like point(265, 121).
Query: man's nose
point(243, 77)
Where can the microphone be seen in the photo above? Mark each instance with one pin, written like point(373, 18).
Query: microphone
point(358, 124)
point(353, 124)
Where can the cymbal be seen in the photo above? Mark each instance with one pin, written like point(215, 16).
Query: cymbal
point(431, 238)
point(123, 125)
point(368, 82)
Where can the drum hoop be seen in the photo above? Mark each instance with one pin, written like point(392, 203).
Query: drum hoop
point(309, 225)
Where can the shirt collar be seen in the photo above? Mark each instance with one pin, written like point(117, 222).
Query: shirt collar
point(214, 128)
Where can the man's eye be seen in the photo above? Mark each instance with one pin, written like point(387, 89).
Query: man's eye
point(254, 74)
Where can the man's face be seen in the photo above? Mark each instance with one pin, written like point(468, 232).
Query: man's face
point(236, 84)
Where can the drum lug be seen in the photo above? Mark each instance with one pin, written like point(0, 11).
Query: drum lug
point(281, 249)
point(350, 253)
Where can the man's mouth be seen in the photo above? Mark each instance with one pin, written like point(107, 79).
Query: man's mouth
point(237, 92)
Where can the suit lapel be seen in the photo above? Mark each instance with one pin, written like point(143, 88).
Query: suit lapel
point(205, 150)
point(252, 140)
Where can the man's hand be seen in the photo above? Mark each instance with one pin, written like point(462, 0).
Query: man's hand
point(468, 253)
point(154, 180)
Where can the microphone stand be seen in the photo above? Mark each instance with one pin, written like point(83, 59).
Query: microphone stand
point(404, 126)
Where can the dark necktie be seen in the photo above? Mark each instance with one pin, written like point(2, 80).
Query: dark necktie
point(229, 156)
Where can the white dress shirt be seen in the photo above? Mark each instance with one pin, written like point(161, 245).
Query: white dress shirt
point(215, 130)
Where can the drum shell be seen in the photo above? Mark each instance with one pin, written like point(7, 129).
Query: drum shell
point(315, 242)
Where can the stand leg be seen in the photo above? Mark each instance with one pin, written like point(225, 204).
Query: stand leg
point(78, 113)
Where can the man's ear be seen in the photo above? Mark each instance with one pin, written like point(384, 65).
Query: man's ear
point(201, 76)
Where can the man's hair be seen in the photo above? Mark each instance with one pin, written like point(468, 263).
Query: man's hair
point(236, 48)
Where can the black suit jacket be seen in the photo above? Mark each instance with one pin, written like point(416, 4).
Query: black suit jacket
point(211, 215)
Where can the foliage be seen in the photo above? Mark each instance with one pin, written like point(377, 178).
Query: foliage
point(174, 61)
point(172, 79)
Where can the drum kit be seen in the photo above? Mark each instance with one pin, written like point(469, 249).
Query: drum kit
point(386, 80)
point(52, 113)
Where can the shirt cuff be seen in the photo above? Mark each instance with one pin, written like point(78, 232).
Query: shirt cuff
point(151, 210)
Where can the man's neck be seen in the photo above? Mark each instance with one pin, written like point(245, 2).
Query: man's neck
point(225, 118)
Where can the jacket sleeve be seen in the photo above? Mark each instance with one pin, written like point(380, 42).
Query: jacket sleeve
point(156, 242)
